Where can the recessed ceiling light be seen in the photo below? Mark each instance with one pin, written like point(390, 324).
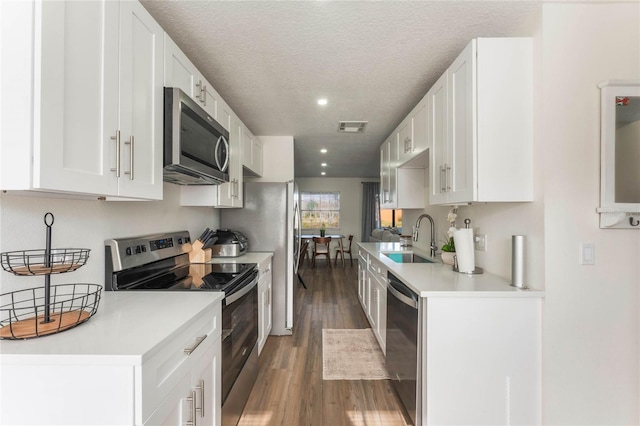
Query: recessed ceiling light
point(323, 173)
point(324, 164)
point(322, 101)
point(323, 150)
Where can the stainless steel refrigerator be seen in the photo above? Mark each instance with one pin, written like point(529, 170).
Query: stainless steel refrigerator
point(270, 219)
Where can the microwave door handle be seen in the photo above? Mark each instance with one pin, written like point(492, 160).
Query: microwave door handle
point(226, 160)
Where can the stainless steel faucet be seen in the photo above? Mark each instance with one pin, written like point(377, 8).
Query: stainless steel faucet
point(433, 241)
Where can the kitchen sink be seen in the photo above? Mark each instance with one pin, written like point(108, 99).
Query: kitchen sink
point(407, 258)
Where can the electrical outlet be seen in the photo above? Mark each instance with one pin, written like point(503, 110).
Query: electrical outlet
point(480, 242)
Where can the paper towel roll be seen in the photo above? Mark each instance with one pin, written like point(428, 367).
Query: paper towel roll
point(463, 239)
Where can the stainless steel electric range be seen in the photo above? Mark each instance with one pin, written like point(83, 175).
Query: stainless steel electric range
point(160, 262)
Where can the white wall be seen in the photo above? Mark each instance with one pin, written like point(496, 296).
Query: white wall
point(591, 325)
point(591, 322)
point(86, 224)
point(350, 190)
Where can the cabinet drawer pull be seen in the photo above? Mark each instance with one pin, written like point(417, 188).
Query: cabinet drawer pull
point(201, 388)
point(192, 401)
point(130, 142)
point(117, 139)
point(199, 340)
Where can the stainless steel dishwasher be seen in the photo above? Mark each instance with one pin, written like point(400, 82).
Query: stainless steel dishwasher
point(402, 342)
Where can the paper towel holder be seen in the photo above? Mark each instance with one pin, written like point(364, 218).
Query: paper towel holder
point(477, 270)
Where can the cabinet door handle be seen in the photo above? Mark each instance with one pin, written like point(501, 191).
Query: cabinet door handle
point(130, 142)
point(199, 340)
point(447, 175)
point(199, 86)
point(117, 139)
point(204, 95)
point(192, 401)
point(443, 185)
point(202, 399)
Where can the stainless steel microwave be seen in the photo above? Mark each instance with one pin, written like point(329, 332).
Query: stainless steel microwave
point(196, 147)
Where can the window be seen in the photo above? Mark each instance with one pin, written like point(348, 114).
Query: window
point(317, 208)
point(391, 218)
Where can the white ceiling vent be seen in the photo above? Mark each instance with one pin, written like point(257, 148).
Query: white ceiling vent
point(351, 126)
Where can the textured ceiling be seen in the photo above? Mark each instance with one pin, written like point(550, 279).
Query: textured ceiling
point(373, 61)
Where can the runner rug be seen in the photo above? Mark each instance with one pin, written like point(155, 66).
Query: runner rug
point(352, 354)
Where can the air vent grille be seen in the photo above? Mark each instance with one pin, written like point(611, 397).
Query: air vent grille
point(352, 126)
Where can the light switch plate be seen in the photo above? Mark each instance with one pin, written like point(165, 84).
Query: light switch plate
point(587, 254)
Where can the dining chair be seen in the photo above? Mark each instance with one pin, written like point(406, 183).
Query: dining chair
point(321, 248)
point(304, 252)
point(341, 251)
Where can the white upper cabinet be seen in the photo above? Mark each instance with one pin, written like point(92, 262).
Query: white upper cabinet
point(401, 187)
point(437, 135)
point(252, 156)
point(385, 192)
point(480, 125)
point(92, 72)
point(141, 103)
point(412, 133)
point(178, 70)
point(230, 193)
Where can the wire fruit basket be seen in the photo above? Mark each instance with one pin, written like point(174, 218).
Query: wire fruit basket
point(34, 262)
point(41, 311)
point(23, 311)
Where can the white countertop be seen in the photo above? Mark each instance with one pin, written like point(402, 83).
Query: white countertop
point(127, 327)
point(439, 280)
point(249, 257)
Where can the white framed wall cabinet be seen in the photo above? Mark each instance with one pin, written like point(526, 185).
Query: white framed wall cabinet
point(252, 155)
point(480, 124)
point(87, 97)
point(400, 187)
point(180, 72)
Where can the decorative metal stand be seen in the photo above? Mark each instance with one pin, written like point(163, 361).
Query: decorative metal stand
point(50, 309)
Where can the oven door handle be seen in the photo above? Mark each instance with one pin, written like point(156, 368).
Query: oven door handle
point(244, 290)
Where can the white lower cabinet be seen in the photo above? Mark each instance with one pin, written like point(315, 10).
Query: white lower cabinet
point(362, 278)
point(174, 383)
point(480, 360)
point(195, 400)
point(377, 307)
point(372, 293)
point(265, 305)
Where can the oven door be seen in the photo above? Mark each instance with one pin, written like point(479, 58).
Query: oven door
point(239, 331)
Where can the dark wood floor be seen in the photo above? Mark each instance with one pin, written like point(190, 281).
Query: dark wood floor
point(290, 390)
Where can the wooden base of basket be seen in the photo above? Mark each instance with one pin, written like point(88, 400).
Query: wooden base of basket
point(41, 269)
point(33, 327)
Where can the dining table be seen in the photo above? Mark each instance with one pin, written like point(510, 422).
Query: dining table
point(336, 237)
